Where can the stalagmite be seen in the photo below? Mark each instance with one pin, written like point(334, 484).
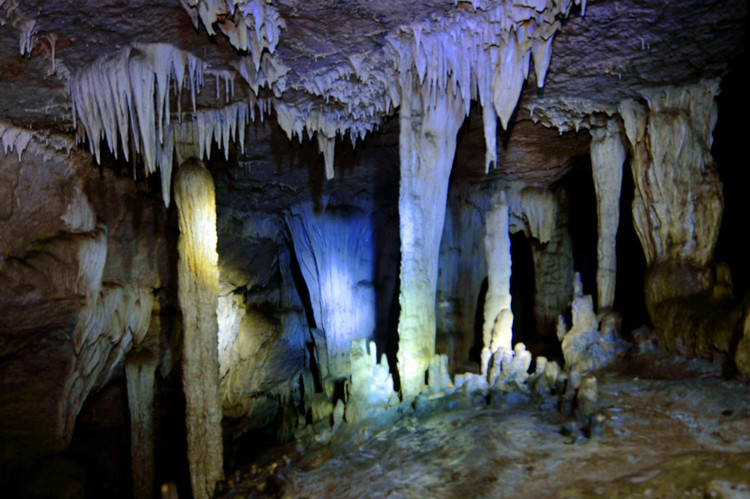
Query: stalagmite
point(607, 158)
point(140, 366)
point(427, 144)
point(584, 346)
point(371, 389)
point(498, 317)
point(198, 276)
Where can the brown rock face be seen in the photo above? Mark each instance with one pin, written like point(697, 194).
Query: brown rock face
point(78, 272)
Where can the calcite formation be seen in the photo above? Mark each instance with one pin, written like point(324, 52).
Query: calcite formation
point(337, 259)
point(678, 198)
point(497, 331)
point(587, 345)
point(319, 294)
point(198, 294)
point(607, 159)
point(140, 367)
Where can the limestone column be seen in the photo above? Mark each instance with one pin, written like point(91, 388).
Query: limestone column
point(198, 275)
point(140, 366)
point(607, 158)
point(497, 330)
point(427, 144)
point(678, 199)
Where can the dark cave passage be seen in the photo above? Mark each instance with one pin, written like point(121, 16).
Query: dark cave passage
point(522, 291)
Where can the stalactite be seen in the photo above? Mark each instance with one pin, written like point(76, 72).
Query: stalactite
point(498, 317)
point(198, 276)
point(124, 99)
point(607, 158)
point(140, 366)
point(540, 211)
point(427, 144)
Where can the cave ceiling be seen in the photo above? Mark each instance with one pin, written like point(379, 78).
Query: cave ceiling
point(331, 56)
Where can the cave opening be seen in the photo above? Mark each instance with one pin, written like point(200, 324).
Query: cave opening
point(522, 282)
point(475, 353)
point(579, 185)
point(299, 284)
point(630, 299)
point(729, 149)
point(391, 334)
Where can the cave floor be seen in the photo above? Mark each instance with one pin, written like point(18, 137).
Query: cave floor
point(673, 428)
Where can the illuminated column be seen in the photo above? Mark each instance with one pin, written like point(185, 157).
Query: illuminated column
point(498, 317)
point(607, 158)
point(427, 144)
point(140, 366)
point(336, 253)
point(198, 274)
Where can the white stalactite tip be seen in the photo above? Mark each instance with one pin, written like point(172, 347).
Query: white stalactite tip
point(326, 146)
point(127, 95)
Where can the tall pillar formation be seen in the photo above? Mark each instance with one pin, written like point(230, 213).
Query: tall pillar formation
point(427, 144)
point(198, 293)
point(607, 158)
point(497, 331)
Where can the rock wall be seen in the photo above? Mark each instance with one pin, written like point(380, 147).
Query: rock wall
point(80, 256)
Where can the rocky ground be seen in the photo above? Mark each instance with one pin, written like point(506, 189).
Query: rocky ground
point(670, 427)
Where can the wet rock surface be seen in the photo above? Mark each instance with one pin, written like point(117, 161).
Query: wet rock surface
point(670, 427)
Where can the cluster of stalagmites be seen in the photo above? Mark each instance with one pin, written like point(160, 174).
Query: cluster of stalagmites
point(592, 342)
point(368, 401)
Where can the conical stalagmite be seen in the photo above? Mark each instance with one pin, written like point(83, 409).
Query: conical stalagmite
point(198, 275)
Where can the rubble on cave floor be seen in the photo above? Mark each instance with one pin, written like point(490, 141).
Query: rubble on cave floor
point(668, 427)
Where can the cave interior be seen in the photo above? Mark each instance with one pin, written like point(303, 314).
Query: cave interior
point(438, 248)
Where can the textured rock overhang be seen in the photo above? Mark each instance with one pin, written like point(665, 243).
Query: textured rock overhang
point(333, 70)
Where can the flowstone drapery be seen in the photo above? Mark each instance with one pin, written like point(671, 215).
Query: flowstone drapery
point(198, 292)
point(336, 254)
point(677, 213)
point(678, 195)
